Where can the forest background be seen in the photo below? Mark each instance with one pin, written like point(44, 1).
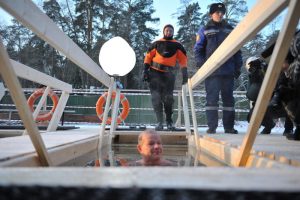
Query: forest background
point(90, 23)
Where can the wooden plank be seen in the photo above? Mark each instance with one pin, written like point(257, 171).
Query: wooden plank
point(62, 146)
point(31, 16)
point(197, 178)
point(185, 109)
point(274, 68)
point(102, 132)
point(274, 147)
point(179, 109)
point(53, 124)
point(115, 109)
point(194, 117)
point(228, 154)
point(39, 106)
point(13, 84)
point(28, 73)
point(2, 90)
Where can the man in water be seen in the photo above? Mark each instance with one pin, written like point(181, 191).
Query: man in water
point(151, 149)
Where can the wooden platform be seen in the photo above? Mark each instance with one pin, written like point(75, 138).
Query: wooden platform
point(200, 178)
point(66, 147)
point(69, 145)
point(273, 146)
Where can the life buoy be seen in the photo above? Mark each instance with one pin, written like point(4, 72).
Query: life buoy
point(101, 103)
point(34, 96)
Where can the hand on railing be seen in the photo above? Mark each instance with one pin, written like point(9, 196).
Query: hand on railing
point(184, 75)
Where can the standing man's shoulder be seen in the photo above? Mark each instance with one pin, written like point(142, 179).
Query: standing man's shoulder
point(227, 25)
point(179, 45)
point(153, 45)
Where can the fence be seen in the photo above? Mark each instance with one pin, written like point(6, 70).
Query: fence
point(83, 102)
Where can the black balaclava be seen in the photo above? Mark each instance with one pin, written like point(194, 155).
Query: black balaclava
point(165, 37)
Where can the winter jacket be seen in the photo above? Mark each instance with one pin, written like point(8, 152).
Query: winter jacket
point(163, 54)
point(209, 39)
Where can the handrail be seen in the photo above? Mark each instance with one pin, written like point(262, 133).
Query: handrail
point(31, 74)
point(26, 12)
point(12, 82)
point(262, 13)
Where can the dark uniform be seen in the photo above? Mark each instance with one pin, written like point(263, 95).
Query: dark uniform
point(290, 91)
point(209, 39)
point(287, 91)
point(160, 62)
point(256, 69)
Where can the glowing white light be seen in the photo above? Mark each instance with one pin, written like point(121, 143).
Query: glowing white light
point(116, 57)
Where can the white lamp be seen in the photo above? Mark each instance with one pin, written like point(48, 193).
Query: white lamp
point(116, 57)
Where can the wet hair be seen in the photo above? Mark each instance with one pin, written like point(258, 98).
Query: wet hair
point(146, 132)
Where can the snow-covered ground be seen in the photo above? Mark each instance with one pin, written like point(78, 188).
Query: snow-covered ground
point(241, 126)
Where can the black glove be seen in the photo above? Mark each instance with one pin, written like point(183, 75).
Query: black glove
point(237, 74)
point(146, 76)
point(184, 75)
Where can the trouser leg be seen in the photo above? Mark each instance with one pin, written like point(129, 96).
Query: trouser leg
point(168, 100)
point(295, 112)
point(297, 120)
point(212, 98)
point(268, 121)
point(156, 95)
point(227, 83)
point(288, 124)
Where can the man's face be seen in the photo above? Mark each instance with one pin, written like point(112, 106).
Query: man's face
point(150, 147)
point(168, 32)
point(217, 16)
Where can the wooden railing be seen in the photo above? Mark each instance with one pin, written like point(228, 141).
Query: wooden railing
point(261, 14)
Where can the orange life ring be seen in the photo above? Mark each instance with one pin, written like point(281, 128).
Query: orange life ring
point(101, 103)
point(34, 96)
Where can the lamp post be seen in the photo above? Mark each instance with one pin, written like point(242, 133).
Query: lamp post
point(116, 58)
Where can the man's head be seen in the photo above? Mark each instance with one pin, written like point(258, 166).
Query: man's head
point(168, 32)
point(217, 11)
point(149, 146)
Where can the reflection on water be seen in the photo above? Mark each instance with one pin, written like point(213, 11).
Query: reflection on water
point(180, 155)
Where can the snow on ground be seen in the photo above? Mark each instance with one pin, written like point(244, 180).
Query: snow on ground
point(241, 126)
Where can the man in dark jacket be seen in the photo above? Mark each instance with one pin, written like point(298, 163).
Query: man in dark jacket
point(256, 68)
point(208, 40)
point(287, 91)
point(159, 63)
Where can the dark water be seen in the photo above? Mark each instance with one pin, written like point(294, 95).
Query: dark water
point(180, 155)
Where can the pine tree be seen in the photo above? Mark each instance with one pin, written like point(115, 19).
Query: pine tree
point(188, 21)
point(129, 20)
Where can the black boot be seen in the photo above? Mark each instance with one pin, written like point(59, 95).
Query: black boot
point(268, 128)
point(295, 136)
point(288, 126)
point(169, 121)
point(159, 118)
point(266, 131)
point(159, 127)
point(170, 126)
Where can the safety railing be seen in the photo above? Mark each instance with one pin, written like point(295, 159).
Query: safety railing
point(261, 14)
point(32, 17)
